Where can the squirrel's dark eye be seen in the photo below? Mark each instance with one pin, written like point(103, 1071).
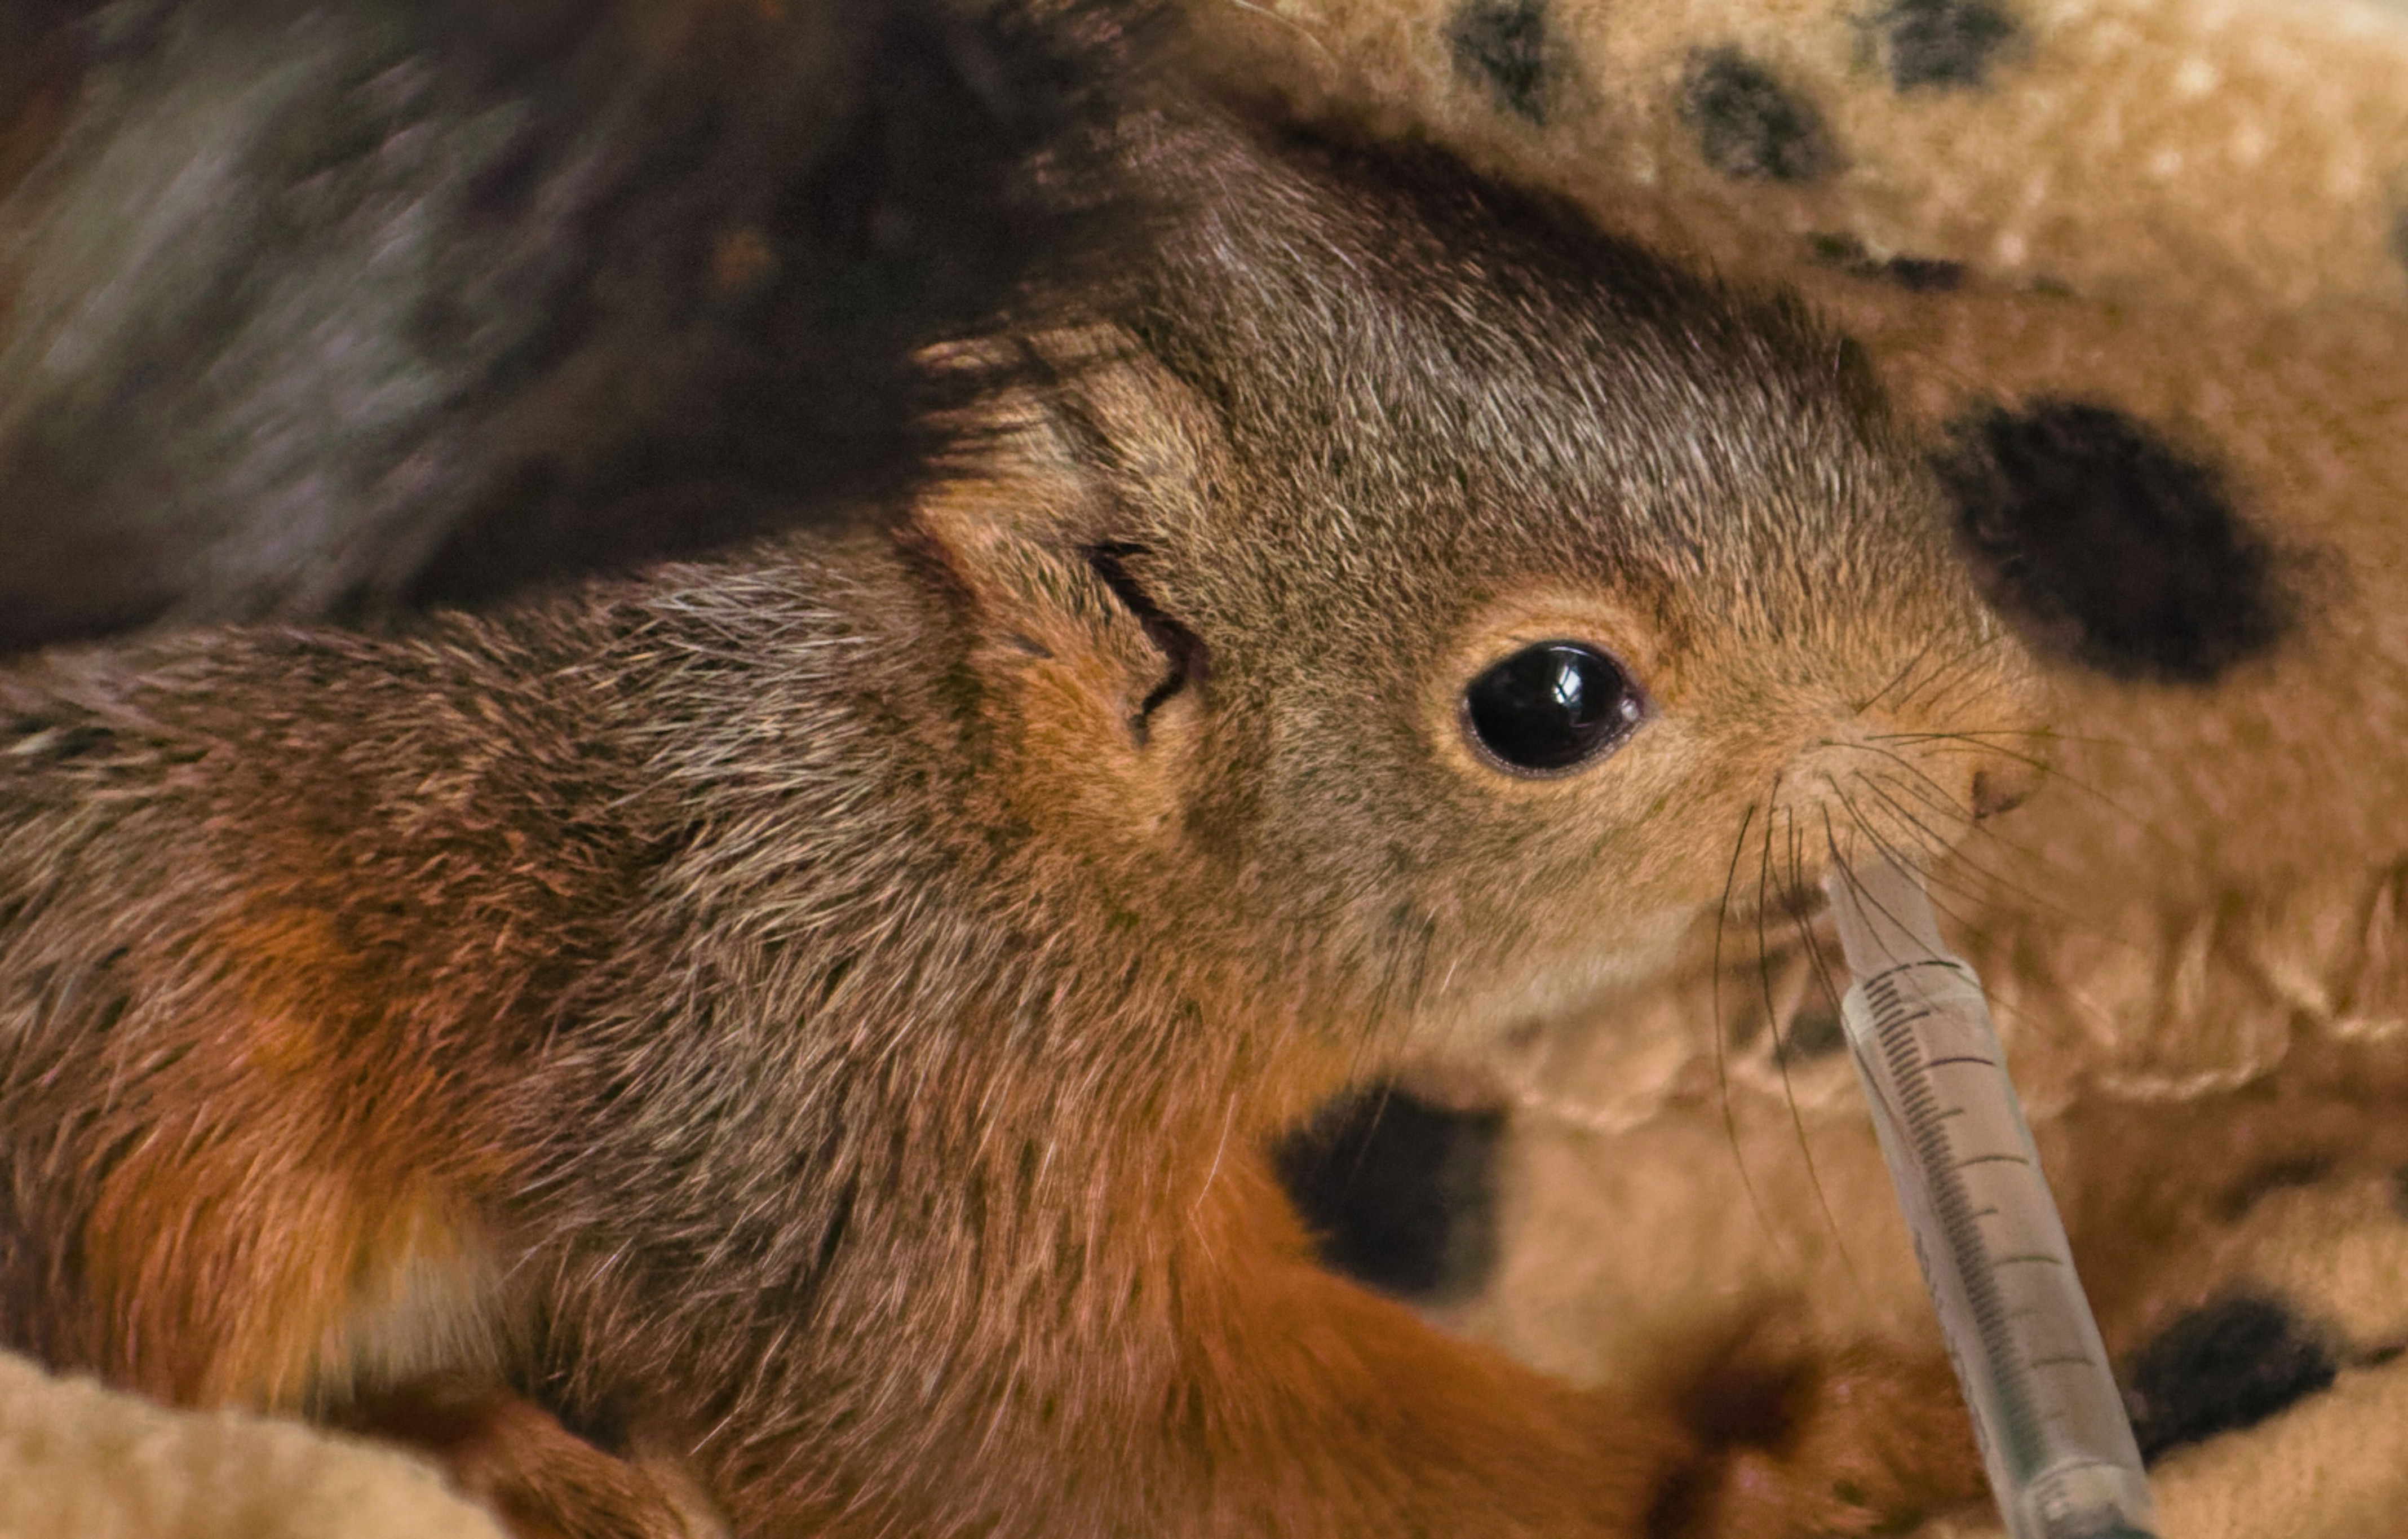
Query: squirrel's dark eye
point(1551, 707)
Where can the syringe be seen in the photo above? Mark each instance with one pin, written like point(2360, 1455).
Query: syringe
point(2053, 1434)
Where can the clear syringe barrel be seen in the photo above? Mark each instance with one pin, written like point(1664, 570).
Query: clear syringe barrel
point(2054, 1434)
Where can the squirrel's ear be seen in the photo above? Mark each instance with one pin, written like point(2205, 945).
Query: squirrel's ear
point(1040, 521)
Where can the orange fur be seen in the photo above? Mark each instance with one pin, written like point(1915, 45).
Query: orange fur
point(265, 1235)
point(850, 987)
point(542, 1480)
point(1307, 1387)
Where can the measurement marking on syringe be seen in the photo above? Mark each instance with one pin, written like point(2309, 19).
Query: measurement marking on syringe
point(1992, 1160)
point(1927, 1123)
point(2011, 1260)
point(2081, 1359)
point(1961, 1058)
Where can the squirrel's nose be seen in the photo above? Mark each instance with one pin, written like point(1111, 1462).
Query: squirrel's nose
point(2002, 788)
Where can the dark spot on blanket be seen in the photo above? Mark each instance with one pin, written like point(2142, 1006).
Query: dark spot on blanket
point(1814, 1032)
point(2111, 546)
point(1924, 274)
point(2400, 237)
point(1502, 46)
point(1915, 274)
point(1943, 43)
point(1751, 125)
point(2220, 1368)
point(1399, 1193)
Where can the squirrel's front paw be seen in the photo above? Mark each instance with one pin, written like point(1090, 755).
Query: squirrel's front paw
point(1796, 1438)
point(540, 1479)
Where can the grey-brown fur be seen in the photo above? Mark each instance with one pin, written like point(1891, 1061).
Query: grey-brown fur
point(841, 1068)
point(345, 308)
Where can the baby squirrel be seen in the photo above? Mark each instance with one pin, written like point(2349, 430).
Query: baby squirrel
point(821, 1011)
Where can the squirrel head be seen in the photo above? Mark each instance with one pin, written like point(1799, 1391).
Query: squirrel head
point(1439, 605)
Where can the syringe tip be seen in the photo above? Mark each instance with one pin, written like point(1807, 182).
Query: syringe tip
point(1884, 917)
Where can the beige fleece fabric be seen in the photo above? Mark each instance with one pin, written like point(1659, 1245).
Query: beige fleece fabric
point(2193, 213)
point(77, 1462)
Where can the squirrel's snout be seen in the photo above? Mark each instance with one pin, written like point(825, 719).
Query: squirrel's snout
point(1911, 795)
point(2000, 788)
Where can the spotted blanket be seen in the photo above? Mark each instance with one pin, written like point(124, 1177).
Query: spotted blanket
point(2144, 267)
point(2145, 262)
